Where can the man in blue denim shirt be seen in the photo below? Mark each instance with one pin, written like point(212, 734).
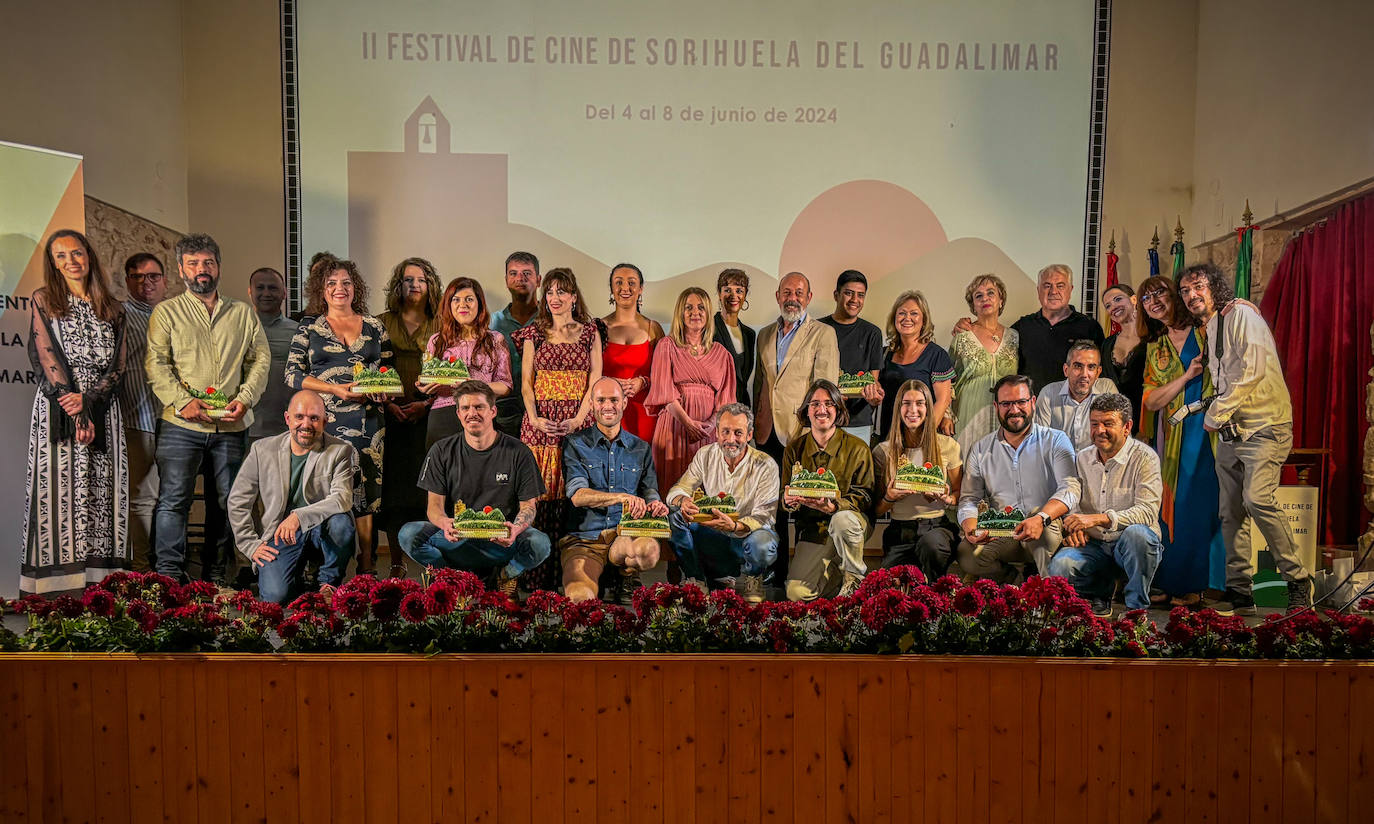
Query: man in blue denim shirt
point(609, 475)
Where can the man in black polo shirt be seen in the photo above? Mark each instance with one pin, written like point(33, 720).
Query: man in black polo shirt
point(1046, 335)
point(861, 349)
point(484, 469)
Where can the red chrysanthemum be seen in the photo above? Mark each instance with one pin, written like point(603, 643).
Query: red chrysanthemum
point(413, 608)
point(99, 602)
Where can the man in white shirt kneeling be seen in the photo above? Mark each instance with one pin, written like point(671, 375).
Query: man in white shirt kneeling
point(1116, 524)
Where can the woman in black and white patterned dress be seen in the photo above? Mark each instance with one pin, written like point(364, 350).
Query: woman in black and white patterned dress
point(78, 477)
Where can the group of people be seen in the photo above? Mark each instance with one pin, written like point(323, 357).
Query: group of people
point(569, 425)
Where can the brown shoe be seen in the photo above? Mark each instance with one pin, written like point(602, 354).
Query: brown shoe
point(398, 570)
point(507, 585)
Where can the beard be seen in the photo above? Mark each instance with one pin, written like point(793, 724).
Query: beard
point(1016, 423)
point(196, 286)
point(792, 312)
point(732, 450)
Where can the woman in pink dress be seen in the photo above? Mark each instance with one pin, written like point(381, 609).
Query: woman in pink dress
point(629, 337)
point(464, 333)
point(692, 377)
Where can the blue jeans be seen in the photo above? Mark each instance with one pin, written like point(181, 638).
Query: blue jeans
point(280, 579)
point(180, 453)
point(426, 544)
point(755, 552)
point(1091, 569)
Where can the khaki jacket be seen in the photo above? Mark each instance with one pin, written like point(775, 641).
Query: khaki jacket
point(814, 354)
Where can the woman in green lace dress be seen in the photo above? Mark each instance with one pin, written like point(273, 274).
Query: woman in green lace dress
point(981, 355)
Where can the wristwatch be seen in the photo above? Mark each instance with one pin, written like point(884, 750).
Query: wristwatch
point(1045, 516)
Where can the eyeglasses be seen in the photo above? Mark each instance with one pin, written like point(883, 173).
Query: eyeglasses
point(140, 277)
point(819, 405)
point(1154, 295)
point(1021, 402)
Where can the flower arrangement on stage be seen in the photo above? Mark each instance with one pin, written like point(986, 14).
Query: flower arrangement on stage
point(894, 611)
point(148, 612)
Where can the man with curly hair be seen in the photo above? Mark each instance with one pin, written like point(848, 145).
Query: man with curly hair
point(1253, 417)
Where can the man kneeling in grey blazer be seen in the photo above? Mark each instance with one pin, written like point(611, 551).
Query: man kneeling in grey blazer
point(304, 479)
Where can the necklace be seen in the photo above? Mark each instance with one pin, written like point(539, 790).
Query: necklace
point(994, 334)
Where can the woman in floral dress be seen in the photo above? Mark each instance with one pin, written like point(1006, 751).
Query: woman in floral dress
point(336, 333)
point(561, 352)
point(78, 478)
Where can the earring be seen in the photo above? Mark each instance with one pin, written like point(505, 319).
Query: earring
point(611, 301)
point(744, 307)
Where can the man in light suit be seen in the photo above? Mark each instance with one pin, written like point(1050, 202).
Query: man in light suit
point(794, 353)
point(304, 480)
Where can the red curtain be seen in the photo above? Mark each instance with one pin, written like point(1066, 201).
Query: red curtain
point(1320, 304)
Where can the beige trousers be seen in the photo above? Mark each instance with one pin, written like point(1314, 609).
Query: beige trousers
point(991, 560)
point(818, 569)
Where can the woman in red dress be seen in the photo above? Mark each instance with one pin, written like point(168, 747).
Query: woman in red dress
point(692, 377)
point(629, 337)
point(562, 359)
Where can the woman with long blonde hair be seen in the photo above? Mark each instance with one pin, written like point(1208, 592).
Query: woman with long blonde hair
point(913, 354)
point(920, 532)
point(693, 375)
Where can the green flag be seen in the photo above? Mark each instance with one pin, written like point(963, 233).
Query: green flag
point(1177, 251)
point(1243, 256)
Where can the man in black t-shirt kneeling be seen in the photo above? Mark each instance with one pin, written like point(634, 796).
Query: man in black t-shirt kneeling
point(487, 472)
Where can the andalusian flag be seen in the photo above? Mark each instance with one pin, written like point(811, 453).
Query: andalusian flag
point(1177, 250)
point(1246, 236)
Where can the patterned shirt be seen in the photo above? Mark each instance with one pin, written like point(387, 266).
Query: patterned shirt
point(621, 465)
point(269, 415)
point(136, 399)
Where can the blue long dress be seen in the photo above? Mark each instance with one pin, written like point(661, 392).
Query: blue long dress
point(1194, 555)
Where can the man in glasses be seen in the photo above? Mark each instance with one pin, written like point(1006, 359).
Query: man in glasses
point(1253, 418)
point(146, 281)
point(830, 531)
point(1022, 466)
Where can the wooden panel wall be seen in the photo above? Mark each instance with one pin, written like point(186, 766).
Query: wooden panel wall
point(680, 739)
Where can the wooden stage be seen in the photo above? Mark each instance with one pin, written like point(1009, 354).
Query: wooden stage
point(705, 738)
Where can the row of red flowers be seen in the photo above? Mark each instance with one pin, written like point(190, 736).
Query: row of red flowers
point(894, 611)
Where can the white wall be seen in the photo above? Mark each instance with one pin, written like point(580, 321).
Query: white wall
point(1150, 113)
point(1283, 104)
point(103, 80)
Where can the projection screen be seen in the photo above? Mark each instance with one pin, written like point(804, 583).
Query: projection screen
point(921, 142)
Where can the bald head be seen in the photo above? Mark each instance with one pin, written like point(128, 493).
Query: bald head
point(793, 295)
point(608, 405)
point(305, 418)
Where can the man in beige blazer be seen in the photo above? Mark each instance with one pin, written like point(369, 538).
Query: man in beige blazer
point(304, 480)
point(794, 352)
